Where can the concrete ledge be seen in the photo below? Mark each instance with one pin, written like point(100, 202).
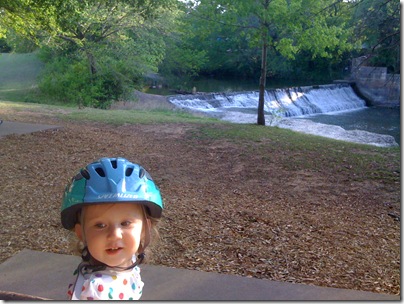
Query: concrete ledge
point(36, 275)
point(15, 296)
point(13, 127)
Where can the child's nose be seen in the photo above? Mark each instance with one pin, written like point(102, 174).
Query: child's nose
point(115, 232)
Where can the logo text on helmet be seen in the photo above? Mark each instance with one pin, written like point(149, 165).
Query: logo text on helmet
point(117, 195)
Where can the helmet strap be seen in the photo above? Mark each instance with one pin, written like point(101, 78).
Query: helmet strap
point(85, 254)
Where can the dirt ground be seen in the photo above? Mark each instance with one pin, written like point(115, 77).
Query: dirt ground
point(243, 208)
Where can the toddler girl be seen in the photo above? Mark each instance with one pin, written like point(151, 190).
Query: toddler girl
point(112, 205)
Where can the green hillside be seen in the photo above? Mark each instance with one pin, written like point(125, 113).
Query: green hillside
point(18, 74)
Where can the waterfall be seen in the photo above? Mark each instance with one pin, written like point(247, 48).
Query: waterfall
point(288, 102)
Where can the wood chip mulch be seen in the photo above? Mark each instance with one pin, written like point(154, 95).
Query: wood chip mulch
point(243, 208)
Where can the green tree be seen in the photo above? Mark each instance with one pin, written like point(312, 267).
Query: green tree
point(183, 59)
point(117, 38)
point(377, 23)
point(26, 18)
point(227, 49)
point(283, 26)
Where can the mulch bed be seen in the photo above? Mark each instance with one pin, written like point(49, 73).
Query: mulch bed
point(246, 209)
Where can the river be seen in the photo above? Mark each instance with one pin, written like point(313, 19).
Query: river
point(373, 119)
point(333, 105)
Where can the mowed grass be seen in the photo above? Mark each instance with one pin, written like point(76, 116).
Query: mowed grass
point(18, 80)
point(18, 74)
point(19, 71)
point(308, 152)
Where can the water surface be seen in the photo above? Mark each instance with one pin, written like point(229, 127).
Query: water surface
point(372, 119)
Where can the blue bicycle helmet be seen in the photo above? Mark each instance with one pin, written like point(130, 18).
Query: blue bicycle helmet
point(110, 180)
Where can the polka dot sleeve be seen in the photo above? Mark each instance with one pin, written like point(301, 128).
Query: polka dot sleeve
point(120, 286)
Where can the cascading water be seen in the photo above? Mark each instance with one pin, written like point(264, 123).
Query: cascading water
point(288, 108)
point(287, 102)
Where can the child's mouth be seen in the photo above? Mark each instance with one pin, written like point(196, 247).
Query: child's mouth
point(114, 250)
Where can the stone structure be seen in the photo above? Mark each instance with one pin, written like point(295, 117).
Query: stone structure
point(374, 84)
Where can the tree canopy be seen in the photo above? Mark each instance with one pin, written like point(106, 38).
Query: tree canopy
point(97, 51)
point(116, 42)
point(280, 28)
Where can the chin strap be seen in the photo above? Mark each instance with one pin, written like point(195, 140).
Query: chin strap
point(85, 267)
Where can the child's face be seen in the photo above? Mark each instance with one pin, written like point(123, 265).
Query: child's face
point(112, 232)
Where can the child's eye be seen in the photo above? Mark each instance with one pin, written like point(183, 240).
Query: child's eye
point(100, 225)
point(126, 223)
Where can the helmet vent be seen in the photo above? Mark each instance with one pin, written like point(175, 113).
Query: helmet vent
point(114, 164)
point(84, 173)
point(142, 172)
point(100, 172)
point(128, 171)
point(148, 176)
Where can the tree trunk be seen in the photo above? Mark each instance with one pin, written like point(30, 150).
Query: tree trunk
point(91, 64)
point(261, 99)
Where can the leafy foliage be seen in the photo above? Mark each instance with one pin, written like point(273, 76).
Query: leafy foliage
point(118, 42)
point(182, 57)
point(97, 50)
point(277, 28)
point(378, 22)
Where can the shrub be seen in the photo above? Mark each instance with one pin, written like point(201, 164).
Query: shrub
point(68, 80)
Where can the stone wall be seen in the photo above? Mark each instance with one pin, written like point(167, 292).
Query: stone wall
point(374, 83)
